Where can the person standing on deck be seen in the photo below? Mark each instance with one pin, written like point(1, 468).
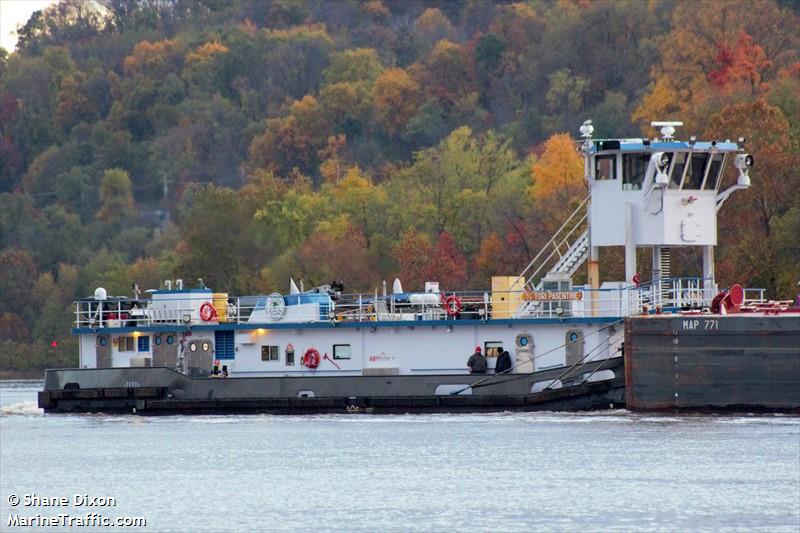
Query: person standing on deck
point(503, 363)
point(477, 362)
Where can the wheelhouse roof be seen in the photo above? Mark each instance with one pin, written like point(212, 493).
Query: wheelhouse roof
point(645, 145)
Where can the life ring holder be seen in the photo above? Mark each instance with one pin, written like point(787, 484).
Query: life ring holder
point(207, 312)
point(311, 358)
point(452, 305)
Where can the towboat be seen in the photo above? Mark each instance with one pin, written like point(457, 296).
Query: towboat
point(665, 343)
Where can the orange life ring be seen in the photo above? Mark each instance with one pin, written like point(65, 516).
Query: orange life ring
point(311, 358)
point(452, 305)
point(207, 312)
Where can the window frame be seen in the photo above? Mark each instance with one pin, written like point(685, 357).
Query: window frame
point(337, 357)
point(271, 349)
point(672, 164)
point(708, 170)
point(143, 340)
point(645, 157)
point(489, 345)
point(615, 166)
point(688, 165)
point(124, 340)
point(289, 361)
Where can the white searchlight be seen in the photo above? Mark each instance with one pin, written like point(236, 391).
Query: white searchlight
point(658, 169)
point(744, 162)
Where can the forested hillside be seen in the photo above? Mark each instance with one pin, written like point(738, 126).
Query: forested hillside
point(245, 142)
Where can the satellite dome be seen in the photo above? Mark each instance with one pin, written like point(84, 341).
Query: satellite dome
point(100, 293)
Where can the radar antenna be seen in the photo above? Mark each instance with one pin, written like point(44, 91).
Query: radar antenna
point(667, 127)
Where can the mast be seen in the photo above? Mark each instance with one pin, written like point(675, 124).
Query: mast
point(587, 149)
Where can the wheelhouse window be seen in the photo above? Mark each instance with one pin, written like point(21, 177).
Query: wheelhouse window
point(696, 171)
point(269, 353)
point(678, 166)
point(342, 351)
point(605, 167)
point(633, 169)
point(714, 172)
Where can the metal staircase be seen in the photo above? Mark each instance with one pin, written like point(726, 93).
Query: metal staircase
point(565, 252)
point(570, 262)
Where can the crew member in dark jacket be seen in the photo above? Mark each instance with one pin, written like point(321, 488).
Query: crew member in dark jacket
point(477, 362)
point(503, 363)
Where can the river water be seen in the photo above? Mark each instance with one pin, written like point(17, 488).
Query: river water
point(605, 471)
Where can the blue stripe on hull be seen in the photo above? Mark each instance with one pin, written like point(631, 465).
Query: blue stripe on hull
point(333, 325)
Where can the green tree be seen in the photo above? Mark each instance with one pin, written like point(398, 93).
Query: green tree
point(215, 245)
point(116, 196)
point(16, 283)
point(352, 66)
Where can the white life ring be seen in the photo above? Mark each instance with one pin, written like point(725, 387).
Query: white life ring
point(276, 307)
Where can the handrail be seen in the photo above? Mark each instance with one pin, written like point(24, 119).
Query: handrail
point(552, 242)
point(579, 301)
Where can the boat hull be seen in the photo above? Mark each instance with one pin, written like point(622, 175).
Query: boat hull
point(165, 391)
point(713, 362)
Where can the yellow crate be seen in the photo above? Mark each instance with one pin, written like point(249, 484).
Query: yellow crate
point(506, 295)
point(220, 302)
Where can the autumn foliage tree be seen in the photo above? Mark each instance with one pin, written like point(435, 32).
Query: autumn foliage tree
point(397, 97)
point(716, 46)
point(246, 142)
point(558, 180)
point(748, 222)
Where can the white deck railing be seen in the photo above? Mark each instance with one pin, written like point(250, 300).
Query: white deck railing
point(665, 294)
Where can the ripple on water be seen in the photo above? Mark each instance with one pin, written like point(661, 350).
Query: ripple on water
point(610, 470)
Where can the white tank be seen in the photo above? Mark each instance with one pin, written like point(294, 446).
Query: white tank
point(427, 298)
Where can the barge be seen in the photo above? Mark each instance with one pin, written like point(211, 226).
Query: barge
point(712, 362)
point(563, 346)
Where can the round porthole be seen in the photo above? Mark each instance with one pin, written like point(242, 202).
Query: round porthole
point(103, 341)
point(157, 340)
point(573, 337)
point(205, 346)
point(523, 341)
point(192, 346)
point(170, 339)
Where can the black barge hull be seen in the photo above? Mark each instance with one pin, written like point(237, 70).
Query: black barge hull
point(713, 363)
point(153, 391)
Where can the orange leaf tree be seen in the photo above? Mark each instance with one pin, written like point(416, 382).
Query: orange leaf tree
point(558, 180)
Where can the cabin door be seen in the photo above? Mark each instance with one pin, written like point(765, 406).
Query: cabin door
point(574, 344)
point(103, 350)
point(165, 350)
point(523, 354)
point(199, 357)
